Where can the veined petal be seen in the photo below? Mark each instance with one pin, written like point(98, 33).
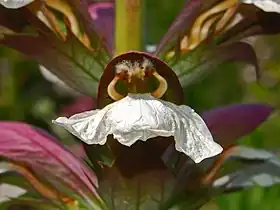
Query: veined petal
point(15, 4)
point(141, 117)
point(265, 5)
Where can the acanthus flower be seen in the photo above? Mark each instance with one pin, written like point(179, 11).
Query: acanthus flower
point(80, 61)
point(141, 116)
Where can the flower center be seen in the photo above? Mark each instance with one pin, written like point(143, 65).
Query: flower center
point(137, 78)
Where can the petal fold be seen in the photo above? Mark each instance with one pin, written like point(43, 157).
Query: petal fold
point(141, 117)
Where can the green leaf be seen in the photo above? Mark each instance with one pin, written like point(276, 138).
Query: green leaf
point(204, 60)
point(69, 60)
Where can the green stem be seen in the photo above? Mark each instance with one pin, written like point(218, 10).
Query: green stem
point(128, 25)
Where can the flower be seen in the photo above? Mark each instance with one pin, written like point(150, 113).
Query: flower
point(140, 117)
point(66, 39)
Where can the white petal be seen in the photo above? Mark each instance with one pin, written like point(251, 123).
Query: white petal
point(141, 117)
point(15, 4)
point(194, 138)
point(265, 5)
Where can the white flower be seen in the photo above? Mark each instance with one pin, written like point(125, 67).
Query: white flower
point(140, 117)
point(15, 4)
point(265, 5)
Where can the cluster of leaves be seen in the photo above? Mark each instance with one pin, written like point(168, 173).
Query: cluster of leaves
point(40, 159)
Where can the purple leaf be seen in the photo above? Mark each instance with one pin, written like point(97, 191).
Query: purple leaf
point(102, 14)
point(229, 123)
point(23, 144)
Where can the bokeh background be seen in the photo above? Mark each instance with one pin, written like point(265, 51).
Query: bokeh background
point(25, 95)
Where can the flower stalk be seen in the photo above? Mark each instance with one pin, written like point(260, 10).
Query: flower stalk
point(128, 25)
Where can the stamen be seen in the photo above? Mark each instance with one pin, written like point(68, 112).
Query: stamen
point(112, 91)
point(136, 71)
point(160, 91)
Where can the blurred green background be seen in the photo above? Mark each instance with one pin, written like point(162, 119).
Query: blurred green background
point(25, 95)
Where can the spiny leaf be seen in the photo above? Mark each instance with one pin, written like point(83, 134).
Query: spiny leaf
point(180, 25)
point(80, 8)
point(189, 71)
point(69, 60)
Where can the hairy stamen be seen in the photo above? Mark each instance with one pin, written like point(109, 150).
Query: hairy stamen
point(134, 75)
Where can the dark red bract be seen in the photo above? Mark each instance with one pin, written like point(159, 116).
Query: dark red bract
point(174, 93)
